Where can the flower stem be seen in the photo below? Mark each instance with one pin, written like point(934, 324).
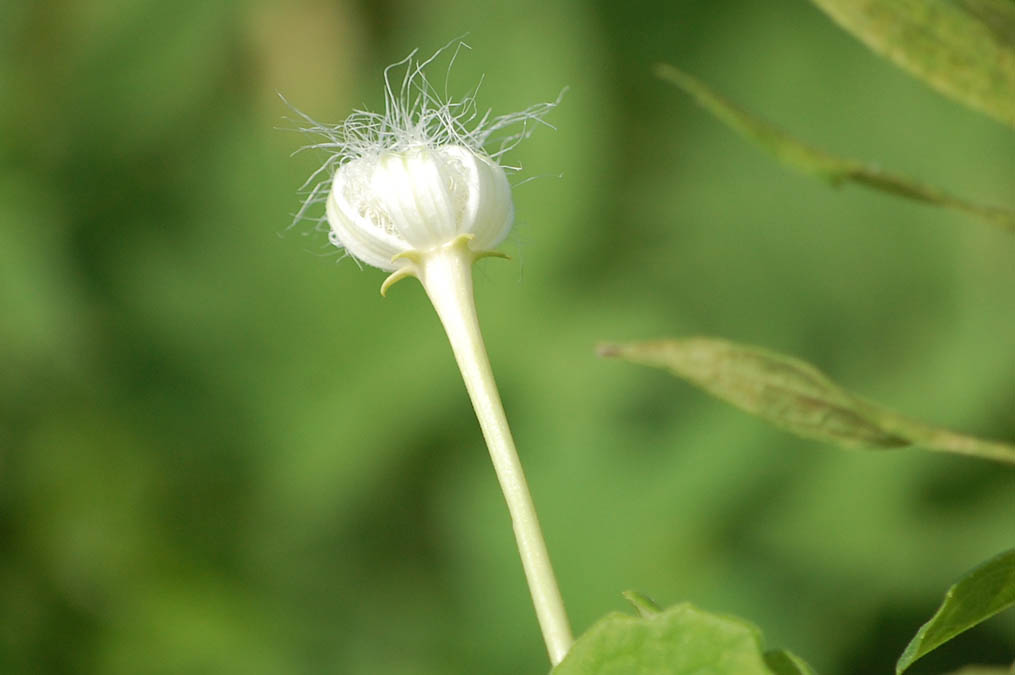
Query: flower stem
point(446, 274)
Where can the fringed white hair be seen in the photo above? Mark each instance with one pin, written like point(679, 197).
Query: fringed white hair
point(416, 117)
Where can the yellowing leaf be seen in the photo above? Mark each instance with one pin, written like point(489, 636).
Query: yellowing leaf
point(963, 48)
point(796, 396)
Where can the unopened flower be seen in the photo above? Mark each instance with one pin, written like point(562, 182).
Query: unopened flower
point(419, 176)
point(417, 200)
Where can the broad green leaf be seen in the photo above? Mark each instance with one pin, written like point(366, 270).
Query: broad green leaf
point(676, 641)
point(796, 396)
point(984, 670)
point(979, 595)
point(835, 170)
point(963, 48)
point(782, 662)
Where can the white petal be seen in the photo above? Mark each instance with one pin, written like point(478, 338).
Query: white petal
point(488, 211)
point(358, 222)
point(419, 200)
point(412, 189)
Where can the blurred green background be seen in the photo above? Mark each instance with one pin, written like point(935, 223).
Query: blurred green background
point(222, 452)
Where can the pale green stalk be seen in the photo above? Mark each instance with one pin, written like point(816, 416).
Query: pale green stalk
point(446, 274)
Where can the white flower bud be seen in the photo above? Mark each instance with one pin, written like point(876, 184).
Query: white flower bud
point(418, 176)
point(418, 200)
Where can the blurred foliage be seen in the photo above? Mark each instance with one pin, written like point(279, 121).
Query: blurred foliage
point(680, 640)
point(834, 170)
point(222, 452)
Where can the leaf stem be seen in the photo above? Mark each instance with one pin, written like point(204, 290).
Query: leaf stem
point(944, 440)
point(446, 274)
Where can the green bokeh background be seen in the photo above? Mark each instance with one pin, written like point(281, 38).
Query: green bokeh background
point(222, 452)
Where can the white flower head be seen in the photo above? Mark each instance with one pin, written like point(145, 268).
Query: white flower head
point(419, 176)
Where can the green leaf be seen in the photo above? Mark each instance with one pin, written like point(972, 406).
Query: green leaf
point(676, 641)
point(796, 396)
point(835, 170)
point(782, 662)
point(979, 595)
point(963, 48)
point(984, 670)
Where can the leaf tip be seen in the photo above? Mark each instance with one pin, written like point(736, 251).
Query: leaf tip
point(646, 606)
point(608, 349)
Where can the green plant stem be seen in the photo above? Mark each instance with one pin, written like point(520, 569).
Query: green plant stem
point(943, 440)
point(446, 274)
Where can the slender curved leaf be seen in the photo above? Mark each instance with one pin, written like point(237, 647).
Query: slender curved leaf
point(979, 595)
point(963, 48)
point(835, 170)
point(796, 396)
point(681, 640)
